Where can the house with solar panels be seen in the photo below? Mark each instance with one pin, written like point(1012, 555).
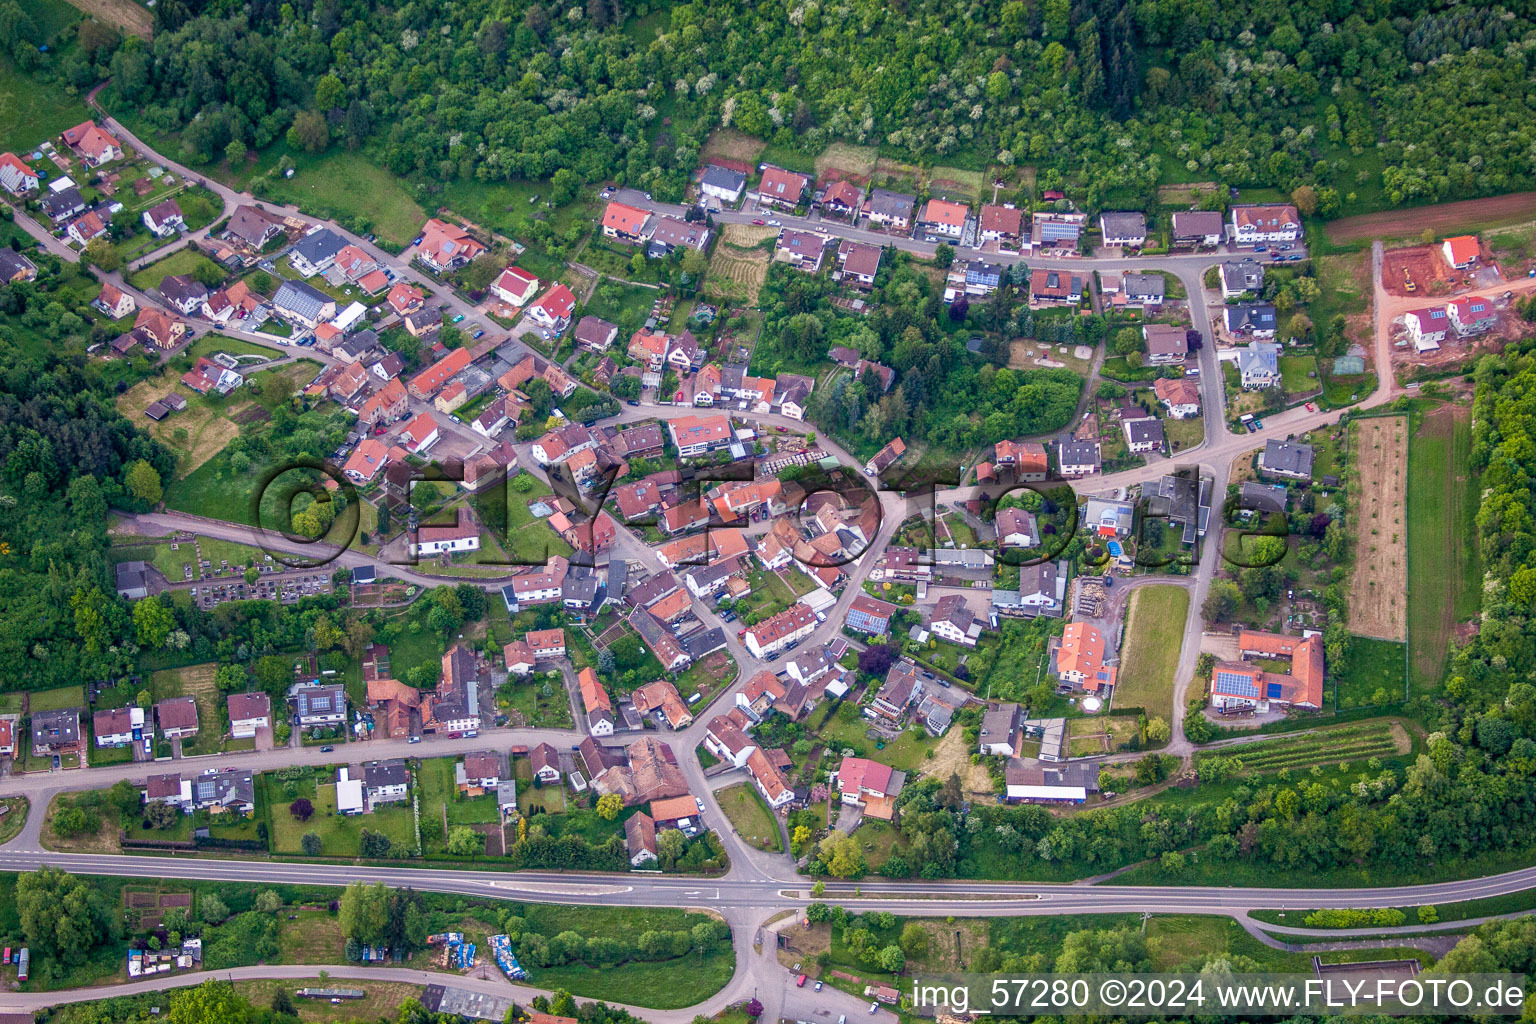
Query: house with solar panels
point(1241, 685)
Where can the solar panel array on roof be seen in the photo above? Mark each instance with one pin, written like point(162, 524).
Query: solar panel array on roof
point(1273, 691)
point(1236, 684)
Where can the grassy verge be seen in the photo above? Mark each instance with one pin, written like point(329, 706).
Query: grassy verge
point(750, 817)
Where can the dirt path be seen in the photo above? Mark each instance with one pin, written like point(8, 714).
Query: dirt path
point(125, 14)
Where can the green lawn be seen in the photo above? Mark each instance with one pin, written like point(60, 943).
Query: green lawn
point(54, 700)
point(351, 186)
point(527, 539)
point(208, 344)
point(845, 731)
point(542, 700)
point(750, 817)
point(340, 834)
point(1444, 574)
point(31, 113)
point(1298, 374)
point(438, 790)
point(183, 261)
point(1374, 666)
point(627, 305)
point(532, 800)
point(1155, 631)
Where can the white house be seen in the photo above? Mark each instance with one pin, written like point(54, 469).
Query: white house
point(1123, 229)
point(247, 713)
point(1427, 328)
point(463, 535)
point(1471, 314)
point(515, 286)
point(164, 219)
point(1275, 222)
point(16, 176)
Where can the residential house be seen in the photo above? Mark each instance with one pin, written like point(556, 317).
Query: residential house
point(183, 292)
point(1000, 734)
point(1127, 230)
point(1471, 314)
point(800, 249)
point(206, 376)
point(177, 717)
point(1258, 364)
point(317, 704)
point(228, 792)
point(1144, 290)
point(869, 615)
point(63, 204)
point(316, 252)
point(1042, 588)
point(774, 634)
point(560, 444)
point(302, 304)
point(553, 311)
point(1255, 319)
point(1001, 228)
point(429, 381)
point(1236, 684)
point(954, 622)
point(463, 535)
point(446, 247)
point(518, 658)
point(648, 772)
point(1193, 228)
point(901, 690)
point(1275, 222)
point(385, 405)
point(669, 233)
point(973, 278)
point(114, 302)
point(595, 702)
point(1166, 344)
point(661, 642)
point(1016, 528)
point(421, 322)
point(1057, 231)
point(1289, 459)
point(480, 770)
point(537, 586)
point(158, 328)
point(1077, 458)
point(515, 286)
point(886, 457)
point(1056, 287)
point(1428, 327)
point(1181, 397)
point(782, 188)
point(661, 698)
point(169, 789)
point(1080, 658)
point(1027, 459)
point(595, 334)
point(842, 200)
point(723, 183)
point(118, 727)
point(164, 219)
point(94, 144)
point(386, 782)
point(1263, 498)
point(545, 762)
point(405, 298)
point(640, 839)
point(252, 227)
point(454, 707)
point(699, 435)
point(55, 732)
point(768, 779)
point(942, 221)
point(90, 225)
point(248, 712)
point(1461, 252)
point(625, 223)
point(890, 210)
point(858, 262)
point(15, 176)
point(531, 366)
point(1108, 520)
point(1145, 435)
point(725, 736)
point(869, 785)
point(1241, 277)
point(419, 435)
point(546, 643)
point(15, 268)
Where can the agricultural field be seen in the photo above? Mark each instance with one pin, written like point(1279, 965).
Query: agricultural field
point(1154, 631)
point(1443, 572)
point(736, 269)
point(1442, 219)
point(1378, 601)
point(1355, 742)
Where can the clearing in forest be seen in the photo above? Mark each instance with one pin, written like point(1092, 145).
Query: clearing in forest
point(1378, 597)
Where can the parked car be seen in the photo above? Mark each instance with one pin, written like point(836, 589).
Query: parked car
point(327, 749)
point(800, 982)
point(874, 1007)
point(458, 318)
point(818, 986)
point(414, 739)
point(758, 222)
point(477, 335)
point(775, 223)
point(417, 239)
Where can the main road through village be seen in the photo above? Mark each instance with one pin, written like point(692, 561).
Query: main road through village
point(757, 886)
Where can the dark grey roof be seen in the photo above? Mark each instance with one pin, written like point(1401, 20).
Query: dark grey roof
point(12, 263)
point(1251, 316)
point(131, 576)
point(1245, 275)
point(1117, 224)
point(891, 204)
point(300, 299)
point(1263, 497)
point(702, 643)
point(378, 774)
point(56, 728)
point(723, 177)
point(325, 699)
point(1078, 453)
point(223, 788)
point(1039, 578)
point(1145, 285)
point(179, 288)
point(319, 246)
point(62, 204)
point(1289, 457)
point(1145, 430)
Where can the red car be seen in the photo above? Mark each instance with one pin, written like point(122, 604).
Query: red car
point(759, 222)
point(800, 981)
